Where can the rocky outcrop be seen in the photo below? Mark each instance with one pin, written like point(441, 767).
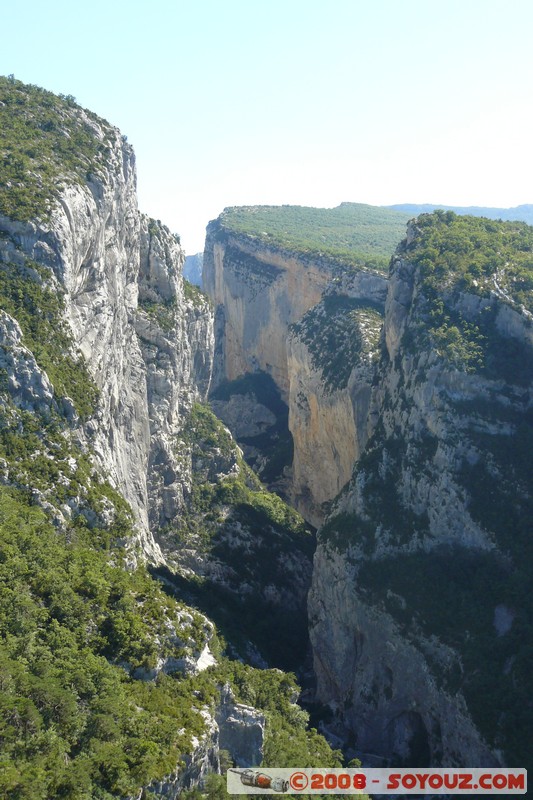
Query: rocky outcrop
point(242, 730)
point(176, 340)
point(233, 727)
point(104, 257)
point(26, 383)
point(196, 767)
point(414, 560)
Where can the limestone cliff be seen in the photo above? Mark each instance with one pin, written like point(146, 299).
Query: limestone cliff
point(175, 332)
point(291, 315)
point(332, 354)
point(90, 241)
point(258, 292)
point(106, 258)
point(416, 618)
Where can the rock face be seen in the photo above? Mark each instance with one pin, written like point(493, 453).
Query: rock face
point(176, 340)
point(332, 355)
point(105, 257)
point(235, 728)
point(381, 684)
point(242, 730)
point(289, 315)
point(27, 384)
point(415, 563)
point(258, 293)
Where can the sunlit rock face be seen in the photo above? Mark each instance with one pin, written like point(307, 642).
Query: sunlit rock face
point(105, 256)
point(258, 293)
point(272, 314)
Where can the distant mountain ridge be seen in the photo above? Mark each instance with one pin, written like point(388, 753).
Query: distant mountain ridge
point(522, 213)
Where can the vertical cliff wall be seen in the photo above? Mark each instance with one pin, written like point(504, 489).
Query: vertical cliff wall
point(258, 292)
point(105, 256)
point(332, 356)
point(291, 316)
point(415, 616)
point(175, 333)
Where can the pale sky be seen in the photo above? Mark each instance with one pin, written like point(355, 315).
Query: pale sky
point(228, 102)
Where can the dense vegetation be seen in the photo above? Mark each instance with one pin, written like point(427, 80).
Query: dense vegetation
point(457, 253)
point(73, 723)
point(44, 140)
point(476, 256)
point(522, 213)
point(74, 623)
point(353, 233)
point(256, 537)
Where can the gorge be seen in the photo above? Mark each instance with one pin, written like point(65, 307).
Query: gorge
point(409, 404)
point(155, 594)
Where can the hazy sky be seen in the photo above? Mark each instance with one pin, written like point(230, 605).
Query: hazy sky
point(230, 102)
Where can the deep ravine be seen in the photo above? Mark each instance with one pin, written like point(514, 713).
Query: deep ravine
point(372, 532)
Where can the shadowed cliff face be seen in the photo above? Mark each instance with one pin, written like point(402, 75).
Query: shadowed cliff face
point(418, 624)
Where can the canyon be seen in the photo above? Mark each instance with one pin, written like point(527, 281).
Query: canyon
point(407, 396)
point(130, 499)
point(384, 395)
